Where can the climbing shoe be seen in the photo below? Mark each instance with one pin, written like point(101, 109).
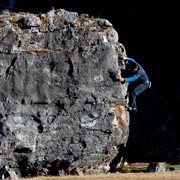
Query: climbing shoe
point(134, 109)
point(149, 85)
point(131, 109)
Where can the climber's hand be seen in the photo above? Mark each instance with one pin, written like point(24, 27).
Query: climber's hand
point(122, 79)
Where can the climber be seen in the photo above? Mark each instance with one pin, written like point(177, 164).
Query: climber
point(138, 81)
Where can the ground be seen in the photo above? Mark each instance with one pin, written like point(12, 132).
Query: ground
point(174, 175)
point(129, 176)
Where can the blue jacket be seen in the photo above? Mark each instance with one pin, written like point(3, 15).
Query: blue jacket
point(139, 74)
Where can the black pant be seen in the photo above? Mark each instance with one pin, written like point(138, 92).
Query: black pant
point(135, 89)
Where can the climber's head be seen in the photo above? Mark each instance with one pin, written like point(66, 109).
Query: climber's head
point(133, 67)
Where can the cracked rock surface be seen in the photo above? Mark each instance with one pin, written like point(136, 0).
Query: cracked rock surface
point(62, 109)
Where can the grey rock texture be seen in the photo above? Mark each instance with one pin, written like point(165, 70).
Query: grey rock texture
point(62, 108)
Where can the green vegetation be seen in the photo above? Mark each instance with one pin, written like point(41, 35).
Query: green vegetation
point(169, 167)
point(125, 168)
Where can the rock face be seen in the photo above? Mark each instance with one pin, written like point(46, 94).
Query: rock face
point(62, 108)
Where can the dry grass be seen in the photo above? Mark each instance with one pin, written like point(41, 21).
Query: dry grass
point(129, 176)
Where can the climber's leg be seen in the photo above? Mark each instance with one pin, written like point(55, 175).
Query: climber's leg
point(133, 103)
point(140, 88)
point(134, 93)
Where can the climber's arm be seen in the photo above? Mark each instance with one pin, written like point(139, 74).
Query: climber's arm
point(130, 59)
point(133, 78)
point(130, 79)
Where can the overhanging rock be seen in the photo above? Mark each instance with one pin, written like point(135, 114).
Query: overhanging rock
point(62, 108)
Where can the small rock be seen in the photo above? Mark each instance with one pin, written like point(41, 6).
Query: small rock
point(32, 21)
point(69, 17)
point(7, 173)
point(13, 175)
point(104, 22)
point(98, 79)
point(80, 172)
point(156, 167)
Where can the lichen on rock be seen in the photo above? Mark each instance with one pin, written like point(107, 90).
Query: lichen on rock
point(62, 107)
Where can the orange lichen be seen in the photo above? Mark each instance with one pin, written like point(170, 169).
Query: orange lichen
point(114, 51)
point(1, 31)
point(68, 56)
point(41, 25)
point(118, 74)
point(44, 20)
point(60, 49)
point(119, 116)
point(56, 16)
point(82, 31)
point(37, 50)
point(77, 24)
point(61, 10)
point(41, 19)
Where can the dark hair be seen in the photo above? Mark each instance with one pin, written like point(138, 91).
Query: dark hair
point(132, 65)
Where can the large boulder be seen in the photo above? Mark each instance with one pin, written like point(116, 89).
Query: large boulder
point(62, 106)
